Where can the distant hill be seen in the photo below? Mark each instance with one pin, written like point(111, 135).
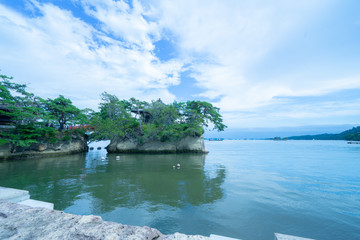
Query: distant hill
point(348, 135)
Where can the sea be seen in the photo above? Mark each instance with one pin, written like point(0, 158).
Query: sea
point(241, 189)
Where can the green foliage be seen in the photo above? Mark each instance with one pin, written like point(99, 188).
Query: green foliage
point(162, 114)
point(22, 107)
point(109, 129)
point(203, 113)
point(349, 135)
point(30, 115)
point(5, 86)
point(63, 111)
point(133, 119)
point(25, 111)
point(142, 121)
point(66, 138)
point(26, 135)
point(85, 116)
point(112, 108)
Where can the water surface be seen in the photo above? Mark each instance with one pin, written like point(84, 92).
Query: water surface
point(241, 189)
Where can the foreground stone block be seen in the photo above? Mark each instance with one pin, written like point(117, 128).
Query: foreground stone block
point(279, 236)
point(218, 237)
point(23, 222)
point(13, 195)
point(36, 203)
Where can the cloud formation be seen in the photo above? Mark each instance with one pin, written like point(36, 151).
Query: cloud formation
point(60, 53)
point(255, 60)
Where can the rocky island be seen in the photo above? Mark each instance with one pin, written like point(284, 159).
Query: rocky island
point(33, 126)
point(187, 144)
point(135, 126)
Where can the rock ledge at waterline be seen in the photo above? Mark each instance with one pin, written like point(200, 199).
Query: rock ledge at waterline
point(22, 222)
point(187, 144)
point(76, 144)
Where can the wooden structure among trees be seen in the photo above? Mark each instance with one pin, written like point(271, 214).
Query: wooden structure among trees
point(4, 119)
point(145, 115)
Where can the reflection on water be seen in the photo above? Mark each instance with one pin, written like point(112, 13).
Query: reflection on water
point(116, 185)
point(56, 179)
point(152, 179)
point(241, 189)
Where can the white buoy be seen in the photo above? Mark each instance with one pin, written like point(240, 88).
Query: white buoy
point(117, 157)
point(178, 165)
point(102, 159)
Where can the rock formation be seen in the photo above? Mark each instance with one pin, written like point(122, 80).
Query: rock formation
point(187, 144)
point(75, 144)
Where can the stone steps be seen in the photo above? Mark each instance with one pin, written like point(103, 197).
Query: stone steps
point(279, 236)
point(218, 237)
point(22, 197)
point(13, 195)
point(36, 203)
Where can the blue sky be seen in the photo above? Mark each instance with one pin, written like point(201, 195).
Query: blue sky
point(266, 64)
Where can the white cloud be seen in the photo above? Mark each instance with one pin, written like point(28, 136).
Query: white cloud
point(296, 114)
point(57, 53)
point(231, 37)
point(220, 42)
point(127, 23)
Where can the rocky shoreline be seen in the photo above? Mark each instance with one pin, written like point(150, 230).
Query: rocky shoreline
point(187, 144)
point(76, 144)
point(18, 221)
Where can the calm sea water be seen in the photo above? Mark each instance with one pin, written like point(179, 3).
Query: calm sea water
point(241, 189)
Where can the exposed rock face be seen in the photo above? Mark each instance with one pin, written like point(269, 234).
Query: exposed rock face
point(76, 144)
point(4, 151)
point(22, 222)
point(187, 144)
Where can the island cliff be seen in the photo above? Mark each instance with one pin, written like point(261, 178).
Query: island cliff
point(141, 127)
point(187, 144)
point(75, 143)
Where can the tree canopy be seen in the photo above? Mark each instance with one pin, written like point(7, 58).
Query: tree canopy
point(31, 115)
point(34, 119)
point(144, 121)
point(62, 110)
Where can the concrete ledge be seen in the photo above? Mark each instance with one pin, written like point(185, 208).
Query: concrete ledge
point(22, 197)
point(218, 237)
point(36, 203)
point(13, 195)
point(279, 236)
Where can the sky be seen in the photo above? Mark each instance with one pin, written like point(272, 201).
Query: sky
point(265, 64)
